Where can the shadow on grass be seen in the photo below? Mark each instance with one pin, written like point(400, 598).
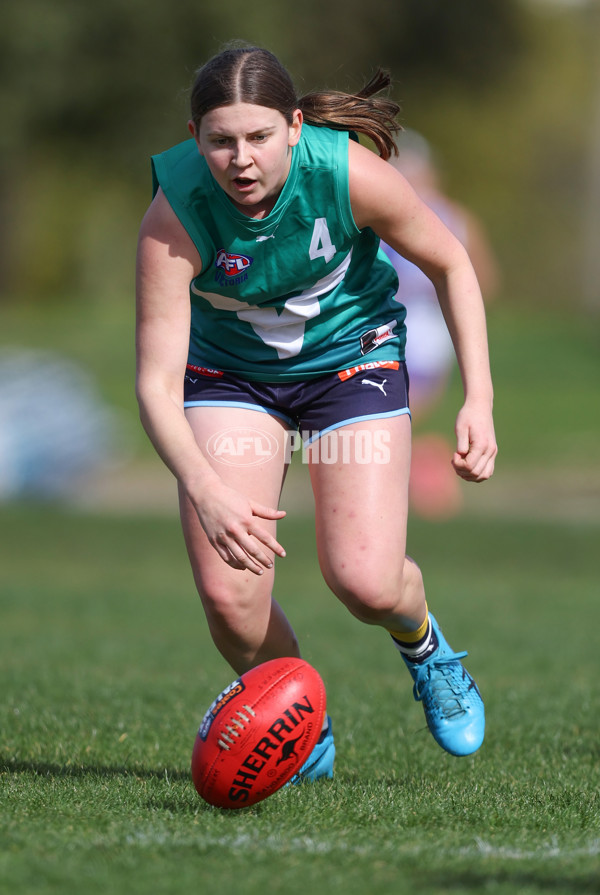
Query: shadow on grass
point(517, 880)
point(100, 772)
point(48, 769)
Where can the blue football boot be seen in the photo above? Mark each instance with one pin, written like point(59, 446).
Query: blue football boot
point(452, 703)
point(320, 761)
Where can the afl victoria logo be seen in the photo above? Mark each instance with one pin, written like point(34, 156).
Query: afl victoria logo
point(242, 446)
point(232, 264)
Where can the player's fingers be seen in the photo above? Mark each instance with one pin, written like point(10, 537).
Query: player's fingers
point(462, 463)
point(242, 545)
point(241, 559)
point(247, 548)
point(488, 469)
point(476, 466)
point(264, 537)
point(266, 512)
point(483, 467)
point(239, 556)
point(462, 441)
point(465, 464)
point(227, 556)
point(256, 554)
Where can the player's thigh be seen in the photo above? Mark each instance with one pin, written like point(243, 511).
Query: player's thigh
point(361, 500)
point(248, 451)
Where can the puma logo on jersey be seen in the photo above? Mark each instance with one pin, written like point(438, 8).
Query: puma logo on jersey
point(378, 385)
point(269, 236)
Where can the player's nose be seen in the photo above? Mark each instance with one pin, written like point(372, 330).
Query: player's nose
point(241, 154)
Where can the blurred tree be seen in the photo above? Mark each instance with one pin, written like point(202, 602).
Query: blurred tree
point(102, 76)
point(89, 91)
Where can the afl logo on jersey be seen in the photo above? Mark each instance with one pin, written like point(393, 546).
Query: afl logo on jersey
point(232, 265)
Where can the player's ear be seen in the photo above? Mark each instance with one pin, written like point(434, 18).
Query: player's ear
point(295, 128)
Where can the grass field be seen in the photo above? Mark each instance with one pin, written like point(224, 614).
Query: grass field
point(107, 669)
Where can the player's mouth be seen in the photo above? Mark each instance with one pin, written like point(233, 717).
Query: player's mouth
point(244, 183)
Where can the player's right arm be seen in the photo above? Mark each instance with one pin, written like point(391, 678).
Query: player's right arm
point(167, 261)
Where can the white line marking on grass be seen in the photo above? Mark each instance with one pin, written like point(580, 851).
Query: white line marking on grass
point(310, 845)
point(553, 850)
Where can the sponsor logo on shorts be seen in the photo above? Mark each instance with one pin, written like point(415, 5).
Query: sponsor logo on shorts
point(379, 385)
point(205, 371)
point(369, 365)
point(373, 338)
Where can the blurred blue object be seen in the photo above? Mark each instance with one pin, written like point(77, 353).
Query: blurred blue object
point(54, 427)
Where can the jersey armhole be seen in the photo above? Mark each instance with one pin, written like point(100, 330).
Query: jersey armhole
point(342, 182)
point(194, 229)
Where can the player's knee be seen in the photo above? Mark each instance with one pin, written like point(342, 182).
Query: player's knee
point(369, 598)
point(373, 596)
point(224, 606)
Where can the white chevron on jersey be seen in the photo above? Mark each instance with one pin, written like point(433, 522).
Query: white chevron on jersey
point(282, 330)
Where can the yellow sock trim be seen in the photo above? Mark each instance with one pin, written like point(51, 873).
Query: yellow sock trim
point(412, 636)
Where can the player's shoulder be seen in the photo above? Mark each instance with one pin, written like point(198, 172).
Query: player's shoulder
point(376, 187)
point(182, 173)
point(322, 146)
point(160, 224)
point(160, 218)
point(364, 164)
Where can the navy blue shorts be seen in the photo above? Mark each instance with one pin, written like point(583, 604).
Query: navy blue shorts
point(368, 391)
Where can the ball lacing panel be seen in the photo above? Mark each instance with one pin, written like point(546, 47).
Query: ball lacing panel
point(236, 727)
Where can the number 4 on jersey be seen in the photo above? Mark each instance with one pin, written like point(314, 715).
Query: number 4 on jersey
point(321, 245)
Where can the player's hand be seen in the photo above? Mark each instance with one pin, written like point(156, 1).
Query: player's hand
point(230, 521)
point(476, 446)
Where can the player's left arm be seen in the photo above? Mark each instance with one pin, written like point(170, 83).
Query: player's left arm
point(384, 200)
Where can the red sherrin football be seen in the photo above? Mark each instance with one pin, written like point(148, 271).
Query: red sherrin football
point(258, 732)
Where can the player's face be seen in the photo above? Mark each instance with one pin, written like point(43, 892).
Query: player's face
point(247, 149)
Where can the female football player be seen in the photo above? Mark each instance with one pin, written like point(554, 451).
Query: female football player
point(265, 307)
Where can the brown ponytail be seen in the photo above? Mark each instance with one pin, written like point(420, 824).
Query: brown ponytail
point(372, 116)
point(253, 75)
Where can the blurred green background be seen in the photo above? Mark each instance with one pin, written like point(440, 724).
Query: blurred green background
point(507, 91)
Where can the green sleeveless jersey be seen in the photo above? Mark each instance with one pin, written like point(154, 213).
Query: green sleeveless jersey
point(300, 293)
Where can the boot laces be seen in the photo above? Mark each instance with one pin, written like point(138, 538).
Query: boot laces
point(440, 686)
